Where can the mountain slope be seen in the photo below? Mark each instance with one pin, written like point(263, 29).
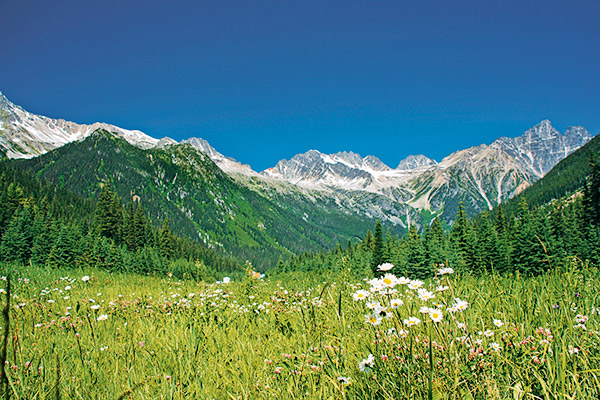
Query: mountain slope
point(481, 176)
point(567, 176)
point(182, 184)
point(26, 135)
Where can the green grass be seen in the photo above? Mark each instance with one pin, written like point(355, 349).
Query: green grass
point(254, 339)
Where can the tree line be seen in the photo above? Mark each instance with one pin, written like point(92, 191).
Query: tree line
point(43, 225)
point(528, 242)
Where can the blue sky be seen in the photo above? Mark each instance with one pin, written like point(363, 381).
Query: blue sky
point(264, 80)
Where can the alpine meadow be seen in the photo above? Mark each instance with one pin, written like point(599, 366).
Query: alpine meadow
point(328, 200)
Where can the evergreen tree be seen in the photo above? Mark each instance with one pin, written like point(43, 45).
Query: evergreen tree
point(65, 249)
point(435, 244)
point(416, 266)
point(18, 239)
point(463, 240)
point(378, 256)
point(165, 240)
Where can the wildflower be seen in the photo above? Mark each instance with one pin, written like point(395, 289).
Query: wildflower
point(435, 315)
point(582, 319)
point(389, 280)
point(488, 333)
point(277, 370)
point(360, 295)
point(573, 350)
point(395, 303)
point(441, 288)
point(412, 321)
point(425, 295)
point(373, 319)
point(460, 305)
point(385, 267)
point(403, 280)
point(95, 306)
point(495, 346)
point(344, 380)
point(366, 363)
point(416, 284)
point(374, 305)
point(424, 310)
point(226, 279)
point(444, 271)
point(498, 323)
point(102, 317)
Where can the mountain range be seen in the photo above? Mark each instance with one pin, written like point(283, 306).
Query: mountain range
point(418, 189)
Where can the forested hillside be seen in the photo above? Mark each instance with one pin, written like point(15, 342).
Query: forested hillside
point(45, 225)
point(183, 185)
point(529, 241)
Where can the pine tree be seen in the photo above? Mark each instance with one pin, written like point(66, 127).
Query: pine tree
point(378, 257)
point(463, 240)
point(416, 266)
point(165, 240)
point(435, 244)
point(488, 254)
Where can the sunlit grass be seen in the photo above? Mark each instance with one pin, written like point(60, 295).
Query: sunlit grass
point(127, 336)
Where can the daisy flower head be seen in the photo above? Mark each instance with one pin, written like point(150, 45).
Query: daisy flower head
point(424, 310)
point(498, 322)
point(85, 278)
point(373, 319)
point(389, 280)
point(376, 285)
point(416, 284)
point(460, 305)
point(435, 315)
point(366, 363)
point(395, 303)
point(445, 271)
point(385, 267)
point(373, 305)
point(360, 295)
point(344, 380)
point(412, 321)
point(403, 280)
point(102, 317)
point(425, 294)
point(495, 346)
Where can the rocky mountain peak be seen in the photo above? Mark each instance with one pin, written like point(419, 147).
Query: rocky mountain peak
point(415, 161)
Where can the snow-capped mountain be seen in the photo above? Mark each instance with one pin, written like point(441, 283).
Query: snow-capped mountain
point(227, 164)
point(415, 161)
point(26, 135)
point(542, 147)
point(482, 176)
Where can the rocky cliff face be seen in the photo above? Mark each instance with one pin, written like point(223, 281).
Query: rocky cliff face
point(26, 135)
point(481, 176)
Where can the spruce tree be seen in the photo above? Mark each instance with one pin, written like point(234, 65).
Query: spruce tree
point(377, 257)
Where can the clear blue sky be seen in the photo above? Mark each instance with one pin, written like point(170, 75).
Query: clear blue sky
point(264, 80)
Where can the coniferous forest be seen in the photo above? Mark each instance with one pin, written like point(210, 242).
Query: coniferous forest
point(44, 225)
point(527, 241)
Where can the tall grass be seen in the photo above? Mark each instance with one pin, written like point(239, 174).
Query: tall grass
point(125, 336)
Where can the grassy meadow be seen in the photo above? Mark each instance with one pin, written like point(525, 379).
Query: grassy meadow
point(89, 334)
